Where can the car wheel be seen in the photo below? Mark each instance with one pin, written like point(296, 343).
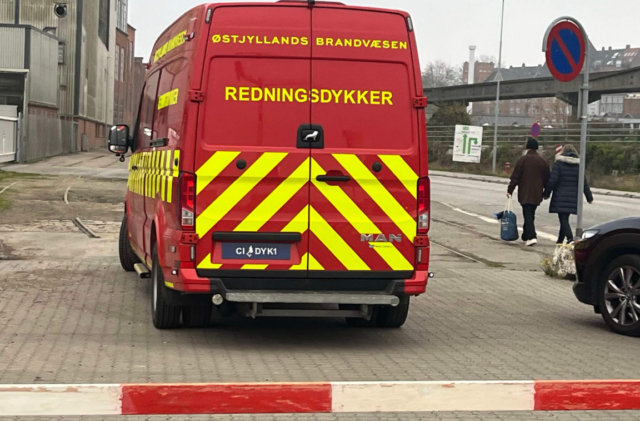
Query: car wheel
point(164, 316)
point(394, 317)
point(127, 257)
point(619, 295)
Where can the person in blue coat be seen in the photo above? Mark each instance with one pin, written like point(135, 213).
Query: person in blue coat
point(563, 185)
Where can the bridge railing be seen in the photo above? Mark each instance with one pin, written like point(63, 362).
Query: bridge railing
point(613, 151)
point(599, 132)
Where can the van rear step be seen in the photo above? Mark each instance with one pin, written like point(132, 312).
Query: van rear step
point(312, 298)
point(142, 271)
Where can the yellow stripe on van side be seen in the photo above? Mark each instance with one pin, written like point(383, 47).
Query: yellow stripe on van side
point(314, 264)
point(304, 263)
point(237, 191)
point(176, 163)
point(379, 194)
point(403, 172)
point(334, 243)
point(356, 217)
point(213, 167)
point(168, 173)
point(156, 172)
point(254, 267)
point(308, 260)
point(163, 191)
point(276, 200)
point(206, 264)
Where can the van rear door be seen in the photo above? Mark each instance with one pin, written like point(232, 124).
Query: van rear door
point(363, 204)
point(252, 178)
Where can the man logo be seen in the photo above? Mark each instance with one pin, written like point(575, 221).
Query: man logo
point(381, 238)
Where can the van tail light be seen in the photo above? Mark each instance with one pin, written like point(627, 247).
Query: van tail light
point(424, 205)
point(188, 201)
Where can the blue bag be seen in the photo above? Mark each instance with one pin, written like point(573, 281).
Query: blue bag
point(509, 224)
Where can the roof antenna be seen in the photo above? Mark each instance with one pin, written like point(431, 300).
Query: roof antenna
point(312, 3)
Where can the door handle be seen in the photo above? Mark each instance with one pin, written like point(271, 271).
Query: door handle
point(311, 137)
point(135, 168)
point(333, 178)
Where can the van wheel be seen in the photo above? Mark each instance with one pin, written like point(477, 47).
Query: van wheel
point(164, 315)
point(196, 316)
point(394, 317)
point(619, 295)
point(127, 257)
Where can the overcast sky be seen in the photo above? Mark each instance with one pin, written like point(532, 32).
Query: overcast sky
point(446, 28)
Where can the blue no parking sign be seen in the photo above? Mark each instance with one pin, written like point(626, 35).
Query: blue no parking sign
point(535, 130)
point(566, 51)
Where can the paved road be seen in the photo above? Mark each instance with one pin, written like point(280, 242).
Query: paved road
point(71, 315)
point(485, 199)
point(84, 320)
point(96, 164)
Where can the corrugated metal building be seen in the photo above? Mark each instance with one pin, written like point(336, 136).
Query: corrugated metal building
point(81, 72)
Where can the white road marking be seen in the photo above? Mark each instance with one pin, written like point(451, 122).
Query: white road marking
point(541, 234)
point(8, 187)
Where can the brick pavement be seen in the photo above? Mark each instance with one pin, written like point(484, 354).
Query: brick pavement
point(86, 321)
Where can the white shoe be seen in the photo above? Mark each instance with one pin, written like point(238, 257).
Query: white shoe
point(532, 243)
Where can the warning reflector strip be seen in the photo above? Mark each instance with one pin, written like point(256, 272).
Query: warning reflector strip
point(403, 172)
point(237, 191)
point(379, 194)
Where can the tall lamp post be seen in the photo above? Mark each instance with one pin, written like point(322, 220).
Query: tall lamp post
point(499, 79)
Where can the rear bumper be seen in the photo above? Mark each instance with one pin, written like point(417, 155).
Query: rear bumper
point(582, 293)
point(187, 281)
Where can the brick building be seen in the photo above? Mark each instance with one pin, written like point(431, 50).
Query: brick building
point(481, 72)
point(123, 103)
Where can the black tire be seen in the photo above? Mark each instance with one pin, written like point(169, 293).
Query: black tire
point(394, 317)
point(197, 316)
point(631, 295)
point(127, 257)
point(164, 316)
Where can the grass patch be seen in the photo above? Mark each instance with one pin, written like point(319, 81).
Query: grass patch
point(9, 176)
point(4, 205)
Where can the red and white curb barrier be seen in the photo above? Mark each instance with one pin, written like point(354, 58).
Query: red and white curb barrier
point(277, 398)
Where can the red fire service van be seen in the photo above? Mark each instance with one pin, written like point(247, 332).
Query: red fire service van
point(279, 166)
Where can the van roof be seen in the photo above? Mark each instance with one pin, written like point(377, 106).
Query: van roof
point(205, 6)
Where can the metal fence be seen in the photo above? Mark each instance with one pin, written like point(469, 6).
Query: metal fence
point(598, 133)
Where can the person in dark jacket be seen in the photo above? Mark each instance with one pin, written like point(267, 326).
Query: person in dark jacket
point(530, 176)
point(563, 184)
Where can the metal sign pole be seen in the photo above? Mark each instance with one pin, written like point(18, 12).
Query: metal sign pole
point(499, 77)
point(555, 30)
point(584, 115)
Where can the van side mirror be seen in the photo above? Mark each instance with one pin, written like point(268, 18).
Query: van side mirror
point(119, 141)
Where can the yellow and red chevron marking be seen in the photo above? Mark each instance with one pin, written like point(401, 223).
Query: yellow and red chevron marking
point(155, 174)
point(279, 193)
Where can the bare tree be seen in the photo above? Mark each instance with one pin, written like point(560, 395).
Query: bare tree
point(438, 73)
point(488, 59)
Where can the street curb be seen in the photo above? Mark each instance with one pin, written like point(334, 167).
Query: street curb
point(296, 398)
point(506, 182)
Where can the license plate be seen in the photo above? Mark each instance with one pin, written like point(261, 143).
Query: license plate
point(256, 251)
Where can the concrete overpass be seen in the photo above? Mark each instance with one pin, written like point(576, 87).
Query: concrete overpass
point(623, 81)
